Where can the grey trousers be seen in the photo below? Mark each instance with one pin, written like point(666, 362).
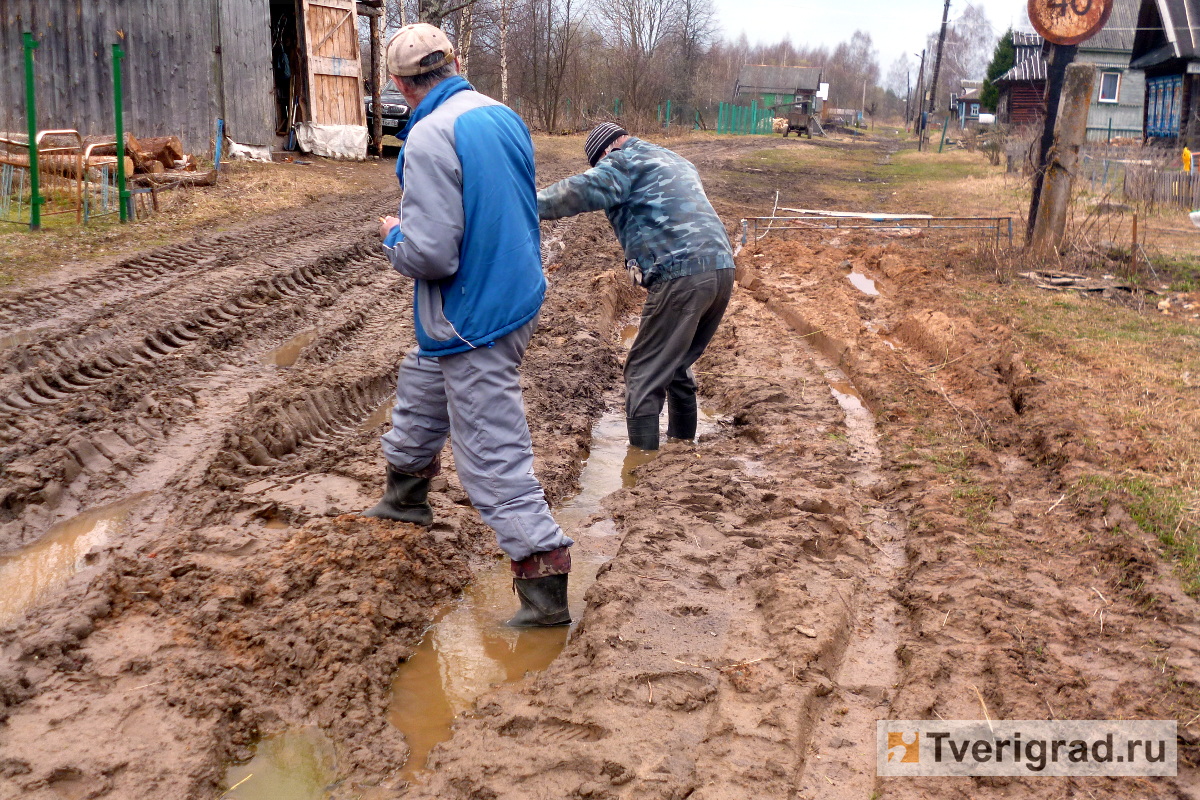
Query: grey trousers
point(679, 319)
point(475, 399)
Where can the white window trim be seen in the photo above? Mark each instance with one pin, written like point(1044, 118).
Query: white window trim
point(1100, 98)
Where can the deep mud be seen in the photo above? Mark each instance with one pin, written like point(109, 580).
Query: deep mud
point(876, 529)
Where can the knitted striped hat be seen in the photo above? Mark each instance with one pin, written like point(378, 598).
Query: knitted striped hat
point(600, 138)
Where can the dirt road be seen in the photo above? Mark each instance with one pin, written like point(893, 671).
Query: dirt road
point(885, 524)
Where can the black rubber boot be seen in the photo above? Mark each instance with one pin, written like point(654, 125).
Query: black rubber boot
point(543, 602)
point(406, 499)
point(681, 418)
point(643, 432)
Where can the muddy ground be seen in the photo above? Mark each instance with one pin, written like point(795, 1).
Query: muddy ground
point(885, 525)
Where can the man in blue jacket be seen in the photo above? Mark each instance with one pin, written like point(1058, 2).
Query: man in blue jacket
point(468, 235)
point(676, 247)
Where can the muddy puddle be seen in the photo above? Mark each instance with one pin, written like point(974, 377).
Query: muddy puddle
point(28, 574)
point(287, 353)
point(297, 765)
point(379, 416)
point(468, 649)
point(863, 284)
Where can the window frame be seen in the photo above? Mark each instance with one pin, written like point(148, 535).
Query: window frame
point(1116, 97)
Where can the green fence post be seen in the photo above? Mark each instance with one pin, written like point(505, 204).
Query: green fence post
point(945, 125)
point(668, 113)
point(119, 109)
point(35, 198)
point(754, 116)
point(720, 117)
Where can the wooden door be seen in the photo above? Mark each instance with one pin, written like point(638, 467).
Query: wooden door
point(331, 49)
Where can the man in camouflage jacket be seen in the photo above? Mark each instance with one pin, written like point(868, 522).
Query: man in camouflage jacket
point(676, 248)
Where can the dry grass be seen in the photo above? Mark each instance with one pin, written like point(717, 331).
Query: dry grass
point(245, 191)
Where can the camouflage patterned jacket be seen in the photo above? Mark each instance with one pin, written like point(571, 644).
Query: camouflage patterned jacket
point(656, 205)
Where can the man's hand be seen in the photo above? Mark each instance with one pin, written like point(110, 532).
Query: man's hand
point(386, 224)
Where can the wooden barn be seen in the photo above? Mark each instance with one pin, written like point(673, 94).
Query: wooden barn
point(1023, 88)
point(273, 70)
point(1167, 48)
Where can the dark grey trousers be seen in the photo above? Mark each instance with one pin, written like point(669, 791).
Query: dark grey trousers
point(679, 319)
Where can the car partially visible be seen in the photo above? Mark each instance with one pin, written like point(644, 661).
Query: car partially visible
point(395, 112)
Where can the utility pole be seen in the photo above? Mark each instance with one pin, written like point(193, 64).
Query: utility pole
point(1070, 132)
point(907, 96)
point(919, 105)
point(937, 63)
point(1060, 56)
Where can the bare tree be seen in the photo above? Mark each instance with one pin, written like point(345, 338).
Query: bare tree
point(639, 30)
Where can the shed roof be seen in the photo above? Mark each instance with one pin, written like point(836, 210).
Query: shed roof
point(764, 78)
point(1031, 69)
point(1117, 33)
point(1166, 30)
point(1023, 39)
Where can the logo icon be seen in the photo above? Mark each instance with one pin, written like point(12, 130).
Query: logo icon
point(904, 747)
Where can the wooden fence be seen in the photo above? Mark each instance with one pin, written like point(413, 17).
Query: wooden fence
point(1155, 186)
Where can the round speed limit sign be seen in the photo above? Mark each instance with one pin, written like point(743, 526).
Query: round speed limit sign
point(1069, 21)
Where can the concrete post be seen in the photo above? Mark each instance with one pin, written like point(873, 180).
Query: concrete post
point(1070, 131)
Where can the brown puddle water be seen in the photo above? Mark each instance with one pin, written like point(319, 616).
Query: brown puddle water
point(296, 765)
point(863, 284)
point(29, 573)
point(379, 415)
point(286, 354)
point(468, 649)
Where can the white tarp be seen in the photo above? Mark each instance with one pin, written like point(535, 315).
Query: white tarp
point(333, 141)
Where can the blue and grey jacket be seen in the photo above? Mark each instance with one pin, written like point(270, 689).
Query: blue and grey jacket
point(657, 207)
point(468, 228)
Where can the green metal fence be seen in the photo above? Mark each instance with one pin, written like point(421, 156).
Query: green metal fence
point(744, 120)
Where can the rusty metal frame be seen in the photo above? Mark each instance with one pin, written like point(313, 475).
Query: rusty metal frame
point(80, 165)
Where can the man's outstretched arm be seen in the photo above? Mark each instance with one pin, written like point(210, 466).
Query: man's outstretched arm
point(600, 188)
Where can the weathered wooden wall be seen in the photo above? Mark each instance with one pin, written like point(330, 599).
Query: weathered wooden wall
point(177, 81)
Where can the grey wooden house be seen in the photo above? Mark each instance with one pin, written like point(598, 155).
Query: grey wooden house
point(267, 67)
point(1119, 91)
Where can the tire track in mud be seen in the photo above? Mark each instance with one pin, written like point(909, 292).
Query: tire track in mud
point(179, 261)
point(203, 625)
point(51, 387)
point(45, 449)
point(744, 595)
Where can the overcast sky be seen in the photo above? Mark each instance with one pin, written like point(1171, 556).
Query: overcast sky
point(896, 26)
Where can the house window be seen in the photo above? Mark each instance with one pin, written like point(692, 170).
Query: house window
point(974, 110)
point(1110, 86)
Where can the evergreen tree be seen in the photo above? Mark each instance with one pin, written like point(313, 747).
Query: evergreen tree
point(1003, 59)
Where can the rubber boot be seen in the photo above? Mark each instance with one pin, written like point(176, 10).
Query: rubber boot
point(406, 499)
point(543, 602)
point(681, 418)
point(643, 432)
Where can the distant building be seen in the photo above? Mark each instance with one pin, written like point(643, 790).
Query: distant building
point(964, 103)
point(777, 87)
point(1023, 88)
point(1120, 91)
point(1167, 48)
